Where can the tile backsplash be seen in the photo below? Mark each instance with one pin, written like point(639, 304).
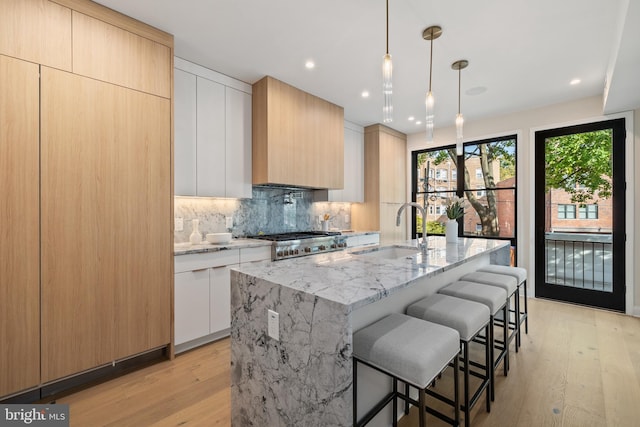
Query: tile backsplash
point(271, 210)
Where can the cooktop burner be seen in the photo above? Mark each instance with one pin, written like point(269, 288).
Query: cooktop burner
point(295, 235)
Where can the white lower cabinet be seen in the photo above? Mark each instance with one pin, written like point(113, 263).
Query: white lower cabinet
point(202, 310)
point(191, 305)
point(220, 298)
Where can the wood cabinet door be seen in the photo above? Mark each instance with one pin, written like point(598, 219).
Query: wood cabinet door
point(37, 31)
point(392, 168)
point(112, 54)
point(106, 241)
point(19, 226)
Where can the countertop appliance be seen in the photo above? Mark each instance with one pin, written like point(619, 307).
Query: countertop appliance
point(302, 243)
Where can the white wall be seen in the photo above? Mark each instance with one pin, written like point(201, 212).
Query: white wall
point(525, 124)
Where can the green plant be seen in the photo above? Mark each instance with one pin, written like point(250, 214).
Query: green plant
point(455, 208)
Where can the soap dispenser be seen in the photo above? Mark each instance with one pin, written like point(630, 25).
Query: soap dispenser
point(195, 238)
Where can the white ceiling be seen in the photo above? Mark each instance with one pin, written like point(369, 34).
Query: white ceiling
point(523, 52)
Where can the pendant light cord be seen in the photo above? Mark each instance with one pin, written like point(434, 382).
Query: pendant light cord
point(387, 27)
point(431, 61)
point(459, 86)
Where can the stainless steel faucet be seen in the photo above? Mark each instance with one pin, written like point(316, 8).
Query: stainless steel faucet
point(423, 211)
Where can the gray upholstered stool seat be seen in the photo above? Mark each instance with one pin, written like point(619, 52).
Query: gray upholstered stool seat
point(495, 298)
point(407, 349)
point(469, 318)
point(509, 284)
point(521, 275)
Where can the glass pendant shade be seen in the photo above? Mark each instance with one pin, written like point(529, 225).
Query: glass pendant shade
point(387, 89)
point(429, 103)
point(459, 124)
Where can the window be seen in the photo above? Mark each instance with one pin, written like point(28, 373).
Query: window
point(490, 193)
point(588, 212)
point(430, 209)
point(441, 174)
point(566, 211)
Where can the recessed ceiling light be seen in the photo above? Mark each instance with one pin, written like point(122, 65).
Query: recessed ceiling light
point(365, 93)
point(411, 118)
point(575, 82)
point(418, 122)
point(476, 90)
point(310, 64)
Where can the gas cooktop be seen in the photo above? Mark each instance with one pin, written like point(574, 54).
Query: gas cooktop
point(295, 235)
point(302, 243)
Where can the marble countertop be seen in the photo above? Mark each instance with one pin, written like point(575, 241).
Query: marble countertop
point(357, 277)
point(188, 248)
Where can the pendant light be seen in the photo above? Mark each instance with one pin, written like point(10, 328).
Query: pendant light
point(387, 73)
point(459, 65)
point(430, 34)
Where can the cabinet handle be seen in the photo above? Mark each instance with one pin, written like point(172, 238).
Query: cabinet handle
point(200, 269)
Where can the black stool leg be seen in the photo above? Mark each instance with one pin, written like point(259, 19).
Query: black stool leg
point(517, 318)
point(456, 389)
point(488, 368)
point(422, 403)
point(505, 334)
point(465, 365)
point(406, 401)
point(394, 421)
point(492, 358)
point(526, 309)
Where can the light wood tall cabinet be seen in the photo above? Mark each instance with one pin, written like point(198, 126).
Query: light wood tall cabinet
point(353, 191)
point(385, 183)
point(87, 200)
point(19, 226)
point(37, 31)
point(298, 138)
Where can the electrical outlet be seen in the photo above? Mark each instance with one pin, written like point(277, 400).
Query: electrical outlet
point(273, 320)
point(229, 221)
point(347, 218)
point(178, 224)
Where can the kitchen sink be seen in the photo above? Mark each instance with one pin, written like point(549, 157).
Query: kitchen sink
point(388, 252)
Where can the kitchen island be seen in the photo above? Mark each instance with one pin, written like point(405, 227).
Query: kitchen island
point(302, 373)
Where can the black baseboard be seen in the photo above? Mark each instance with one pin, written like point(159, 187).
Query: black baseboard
point(50, 392)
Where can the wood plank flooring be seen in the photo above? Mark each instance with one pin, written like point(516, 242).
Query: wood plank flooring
point(576, 367)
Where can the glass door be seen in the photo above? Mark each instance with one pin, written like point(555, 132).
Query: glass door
point(579, 214)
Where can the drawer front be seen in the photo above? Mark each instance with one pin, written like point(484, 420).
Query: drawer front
point(206, 260)
point(369, 239)
point(255, 254)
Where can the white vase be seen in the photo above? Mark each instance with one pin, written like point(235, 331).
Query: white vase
point(195, 238)
point(451, 231)
point(324, 225)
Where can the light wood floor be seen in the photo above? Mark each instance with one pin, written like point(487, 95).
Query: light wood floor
point(576, 367)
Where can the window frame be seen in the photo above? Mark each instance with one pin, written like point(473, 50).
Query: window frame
point(458, 173)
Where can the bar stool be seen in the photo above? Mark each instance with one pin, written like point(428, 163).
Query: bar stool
point(510, 285)
point(469, 318)
point(411, 350)
point(495, 299)
point(521, 275)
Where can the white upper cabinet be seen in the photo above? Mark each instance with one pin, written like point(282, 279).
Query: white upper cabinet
point(212, 133)
point(185, 128)
point(211, 139)
point(238, 134)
